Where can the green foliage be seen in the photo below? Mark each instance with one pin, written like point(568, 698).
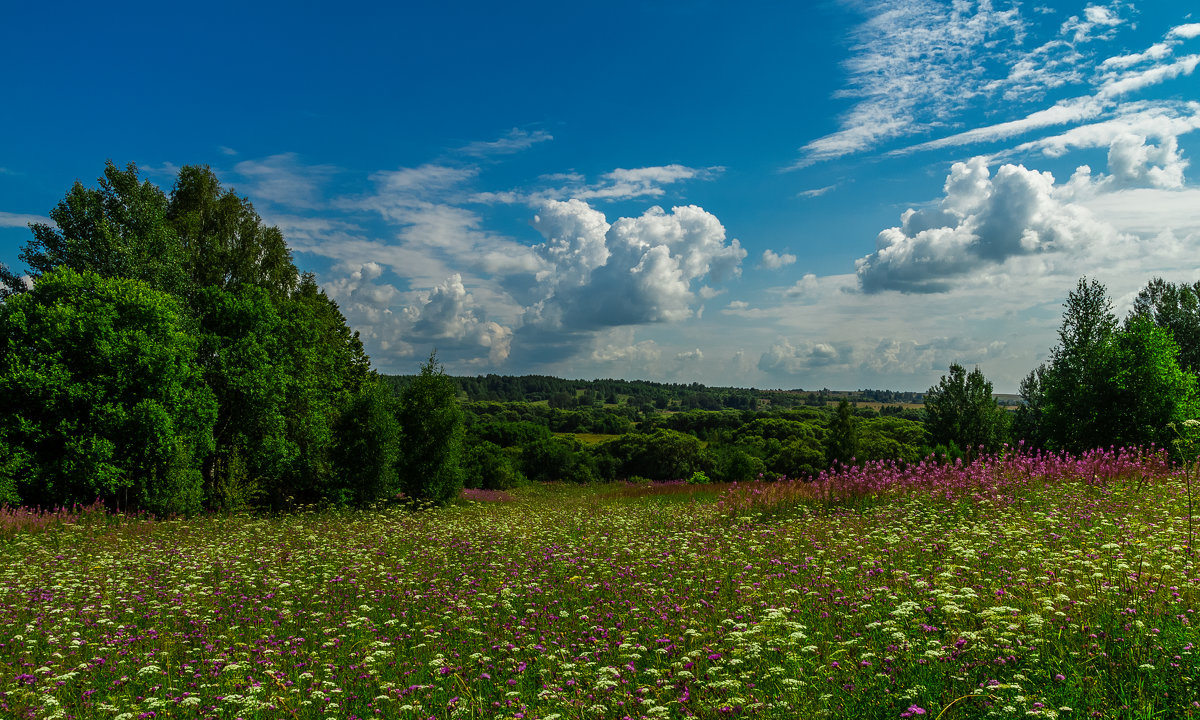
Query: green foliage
point(224, 242)
point(10, 283)
point(962, 410)
point(116, 230)
point(101, 395)
point(326, 369)
point(273, 351)
point(367, 446)
point(1175, 307)
point(1106, 385)
point(430, 462)
point(892, 438)
point(699, 478)
point(508, 434)
point(243, 357)
point(1029, 422)
point(230, 487)
point(490, 467)
point(1150, 391)
point(785, 447)
point(802, 456)
point(732, 463)
point(661, 455)
point(1077, 387)
point(841, 444)
point(557, 459)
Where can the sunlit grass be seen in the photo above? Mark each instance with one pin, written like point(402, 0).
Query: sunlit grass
point(589, 438)
point(1052, 595)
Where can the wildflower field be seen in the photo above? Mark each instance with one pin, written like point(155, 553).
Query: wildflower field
point(1043, 586)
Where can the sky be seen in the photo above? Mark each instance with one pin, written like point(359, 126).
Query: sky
point(842, 194)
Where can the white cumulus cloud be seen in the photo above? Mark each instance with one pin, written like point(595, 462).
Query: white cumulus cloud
point(982, 219)
point(636, 270)
point(449, 314)
point(772, 260)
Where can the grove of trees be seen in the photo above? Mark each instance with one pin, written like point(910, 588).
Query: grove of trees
point(169, 356)
point(1109, 383)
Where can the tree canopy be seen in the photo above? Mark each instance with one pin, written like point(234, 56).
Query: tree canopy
point(432, 423)
point(1106, 384)
point(961, 410)
point(128, 276)
point(101, 396)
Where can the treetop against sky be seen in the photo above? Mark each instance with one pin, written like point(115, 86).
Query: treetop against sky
point(845, 194)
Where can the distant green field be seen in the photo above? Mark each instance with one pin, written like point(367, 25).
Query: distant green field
point(589, 438)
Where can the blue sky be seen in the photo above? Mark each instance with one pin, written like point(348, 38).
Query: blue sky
point(838, 194)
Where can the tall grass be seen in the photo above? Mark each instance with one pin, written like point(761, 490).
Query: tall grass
point(1015, 586)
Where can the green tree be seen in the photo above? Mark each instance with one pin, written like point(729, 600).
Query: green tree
point(841, 442)
point(1029, 421)
point(1077, 387)
point(557, 459)
point(1106, 385)
point(733, 463)
point(10, 283)
point(660, 455)
point(273, 348)
point(118, 229)
point(1175, 307)
point(223, 241)
point(243, 357)
point(367, 448)
point(430, 464)
point(326, 369)
point(489, 466)
point(961, 409)
point(802, 456)
point(892, 438)
point(1150, 390)
point(101, 396)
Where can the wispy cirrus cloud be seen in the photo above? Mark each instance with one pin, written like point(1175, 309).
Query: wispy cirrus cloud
point(919, 66)
point(652, 181)
point(628, 184)
point(1163, 120)
point(18, 220)
point(913, 64)
point(516, 140)
point(283, 180)
point(816, 192)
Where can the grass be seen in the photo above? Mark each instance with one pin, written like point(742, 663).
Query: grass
point(1005, 588)
point(589, 438)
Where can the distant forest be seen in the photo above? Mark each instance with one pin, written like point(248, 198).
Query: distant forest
point(647, 396)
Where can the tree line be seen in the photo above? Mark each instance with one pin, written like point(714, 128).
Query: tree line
point(649, 396)
point(168, 356)
point(1106, 383)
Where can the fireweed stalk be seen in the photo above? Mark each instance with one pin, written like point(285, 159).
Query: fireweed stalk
point(1014, 586)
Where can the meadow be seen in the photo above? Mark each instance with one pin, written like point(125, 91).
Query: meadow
point(1016, 586)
